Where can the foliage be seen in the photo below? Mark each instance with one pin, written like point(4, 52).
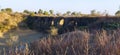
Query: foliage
point(51, 11)
point(54, 31)
point(8, 10)
point(113, 25)
point(93, 12)
point(32, 13)
point(74, 13)
point(26, 11)
point(40, 11)
point(9, 21)
point(46, 13)
point(58, 14)
point(68, 12)
point(117, 13)
point(2, 10)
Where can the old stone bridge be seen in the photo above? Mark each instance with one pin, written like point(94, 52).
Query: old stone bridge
point(65, 24)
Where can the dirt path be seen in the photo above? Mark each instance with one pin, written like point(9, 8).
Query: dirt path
point(24, 36)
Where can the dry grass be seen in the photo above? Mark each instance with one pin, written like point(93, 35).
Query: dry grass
point(9, 21)
point(76, 43)
point(53, 31)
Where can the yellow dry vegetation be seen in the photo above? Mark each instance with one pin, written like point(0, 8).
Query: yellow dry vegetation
point(54, 31)
point(9, 21)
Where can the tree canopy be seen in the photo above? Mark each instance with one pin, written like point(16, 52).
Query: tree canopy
point(117, 13)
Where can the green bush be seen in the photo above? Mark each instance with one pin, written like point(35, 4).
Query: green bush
point(113, 25)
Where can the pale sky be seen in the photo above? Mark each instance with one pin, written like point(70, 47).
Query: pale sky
point(84, 6)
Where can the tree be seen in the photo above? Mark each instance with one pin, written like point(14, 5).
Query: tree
point(40, 11)
point(98, 12)
point(68, 12)
point(46, 13)
point(3, 10)
point(79, 14)
point(65, 14)
point(58, 14)
point(51, 11)
point(8, 10)
point(74, 13)
point(93, 12)
point(32, 13)
point(117, 13)
point(26, 11)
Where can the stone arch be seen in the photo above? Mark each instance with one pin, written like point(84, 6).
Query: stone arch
point(59, 22)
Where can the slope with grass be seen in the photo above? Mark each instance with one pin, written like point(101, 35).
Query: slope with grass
point(9, 21)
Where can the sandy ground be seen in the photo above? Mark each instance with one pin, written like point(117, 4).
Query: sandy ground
point(24, 36)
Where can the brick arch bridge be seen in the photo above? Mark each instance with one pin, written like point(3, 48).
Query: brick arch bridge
point(68, 23)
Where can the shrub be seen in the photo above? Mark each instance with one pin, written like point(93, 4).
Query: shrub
point(53, 31)
point(9, 21)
